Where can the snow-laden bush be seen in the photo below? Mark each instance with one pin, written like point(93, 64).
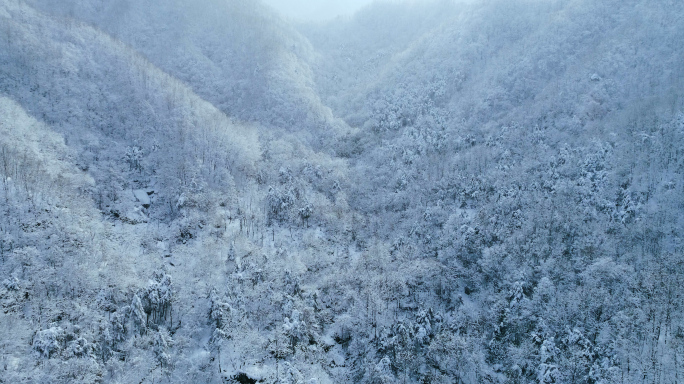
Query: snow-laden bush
point(161, 343)
point(79, 348)
point(49, 342)
point(11, 284)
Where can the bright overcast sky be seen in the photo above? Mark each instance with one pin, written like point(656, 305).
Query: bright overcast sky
point(308, 10)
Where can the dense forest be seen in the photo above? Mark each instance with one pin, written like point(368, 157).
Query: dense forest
point(487, 191)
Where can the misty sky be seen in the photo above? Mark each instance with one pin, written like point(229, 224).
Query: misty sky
point(307, 10)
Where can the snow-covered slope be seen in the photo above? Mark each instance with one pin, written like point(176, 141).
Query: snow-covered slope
point(426, 192)
point(130, 178)
point(236, 54)
point(526, 146)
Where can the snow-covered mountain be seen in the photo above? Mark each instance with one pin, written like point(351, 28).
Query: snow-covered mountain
point(430, 192)
point(238, 55)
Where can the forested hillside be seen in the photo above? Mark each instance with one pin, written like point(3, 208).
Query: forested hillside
point(426, 192)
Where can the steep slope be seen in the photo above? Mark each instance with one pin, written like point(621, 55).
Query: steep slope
point(110, 274)
point(236, 54)
point(48, 226)
point(484, 59)
point(122, 115)
point(529, 150)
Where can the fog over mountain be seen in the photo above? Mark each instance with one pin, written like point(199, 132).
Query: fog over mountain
point(316, 10)
point(237, 191)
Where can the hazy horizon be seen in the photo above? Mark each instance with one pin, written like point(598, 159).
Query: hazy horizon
point(317, 10)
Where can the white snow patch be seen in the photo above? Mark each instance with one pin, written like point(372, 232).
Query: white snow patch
point(162, 246)
point(141, 196)
point(336, 356)
point(256, 372)
point(135, 216)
